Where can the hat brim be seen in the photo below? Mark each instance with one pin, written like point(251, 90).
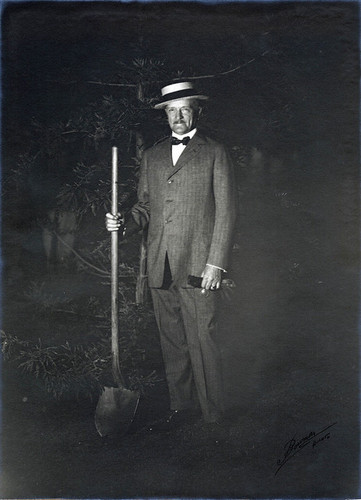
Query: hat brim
point(163, 104)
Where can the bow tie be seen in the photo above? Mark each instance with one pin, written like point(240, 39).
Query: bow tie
point(183, 141)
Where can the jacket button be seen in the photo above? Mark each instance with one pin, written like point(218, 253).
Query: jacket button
point(170, 182)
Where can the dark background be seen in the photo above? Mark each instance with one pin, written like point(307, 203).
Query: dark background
point(296, 86)
point(290, 343)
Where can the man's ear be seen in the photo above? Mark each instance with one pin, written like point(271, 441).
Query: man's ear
point(200, 111)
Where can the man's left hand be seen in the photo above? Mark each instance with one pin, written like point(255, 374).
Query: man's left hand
point(212, 277)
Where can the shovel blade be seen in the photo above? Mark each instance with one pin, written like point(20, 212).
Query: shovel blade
point(115, 411)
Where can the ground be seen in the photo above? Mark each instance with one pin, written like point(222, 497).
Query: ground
point(290, 351)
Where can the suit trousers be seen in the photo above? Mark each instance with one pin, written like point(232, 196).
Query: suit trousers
point(187, 322)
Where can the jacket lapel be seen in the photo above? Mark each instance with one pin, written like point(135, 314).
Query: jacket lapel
point(164, 155)
point(193, 148)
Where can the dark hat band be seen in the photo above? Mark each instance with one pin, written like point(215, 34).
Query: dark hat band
point(180, 94)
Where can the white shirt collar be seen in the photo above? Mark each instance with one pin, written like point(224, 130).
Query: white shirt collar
point(189, 134)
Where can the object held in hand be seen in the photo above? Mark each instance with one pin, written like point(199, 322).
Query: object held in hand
point(116, 406)
point(196, 282)
point(115, 223)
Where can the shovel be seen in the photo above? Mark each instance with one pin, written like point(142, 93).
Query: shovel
point(117, 406)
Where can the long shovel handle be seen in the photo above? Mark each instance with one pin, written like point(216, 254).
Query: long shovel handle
point(114, 276)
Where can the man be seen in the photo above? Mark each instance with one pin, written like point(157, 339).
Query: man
point(187, 197)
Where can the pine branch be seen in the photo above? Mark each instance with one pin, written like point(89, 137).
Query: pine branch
point(101, 271)
point(113, 84)
point(216, 75)
point(199, 77)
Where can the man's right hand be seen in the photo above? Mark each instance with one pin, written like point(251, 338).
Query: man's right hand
point(114, 222)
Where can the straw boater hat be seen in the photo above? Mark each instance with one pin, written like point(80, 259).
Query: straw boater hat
point(181, 90)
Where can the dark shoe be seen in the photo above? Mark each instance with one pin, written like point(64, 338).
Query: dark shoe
point(173, 420)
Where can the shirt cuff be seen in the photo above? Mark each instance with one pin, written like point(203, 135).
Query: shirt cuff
point(221, 268)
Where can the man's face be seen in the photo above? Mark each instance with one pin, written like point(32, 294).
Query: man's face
point(182, 115)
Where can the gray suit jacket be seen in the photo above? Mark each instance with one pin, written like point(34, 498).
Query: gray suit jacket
point(190, 208)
